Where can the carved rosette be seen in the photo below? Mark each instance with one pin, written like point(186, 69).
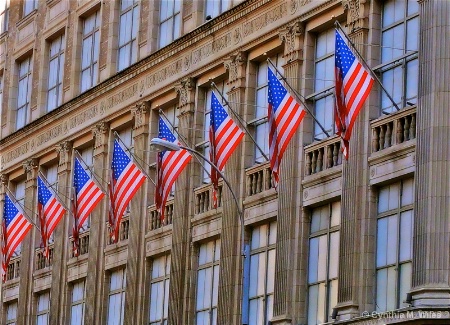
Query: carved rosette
point(290, 35)
point(236, 66)
point(140, 114)
point(100, 132)
point(30, 166)
point(186, 95)
point(64, 149)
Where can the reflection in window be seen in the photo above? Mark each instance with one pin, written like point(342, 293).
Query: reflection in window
point(90, 51)
point(170, 21)
point(128, 30)
point(43, 308)
point(159, 290)
point(55, 73)
point(394, 244)
point(78, 303)
point(215, 7)
point(23, 93)
point(116, 301)
point(323, 262)
point(399, 67)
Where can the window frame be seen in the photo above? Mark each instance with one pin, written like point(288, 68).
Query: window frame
point(11, 319)
point(117, 291)
point(174, 16)
point(74, 303)
point(59, 74)
point(24, 80)
point(29, 6)
point(4, 17)
point(218, 7)
point(165, 280)
point(42, 314)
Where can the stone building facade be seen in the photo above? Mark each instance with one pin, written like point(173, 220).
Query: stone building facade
point(361, 241)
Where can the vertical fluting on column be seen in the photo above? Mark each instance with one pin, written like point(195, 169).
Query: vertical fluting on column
point(431, 260)
point(134, 295)
point(97, 231)
point(61, 237)
point(181, 235)
point(289, 185)
point(230, 276)
point(353, 204)
point(24, 310)
point(3, 185)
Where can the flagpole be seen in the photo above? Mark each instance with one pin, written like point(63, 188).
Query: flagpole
point(53, 190)
point(240, 120)
point(132, 155)
point(182, 139)
point(23, 209)
point(299, 97)
point(336, 23)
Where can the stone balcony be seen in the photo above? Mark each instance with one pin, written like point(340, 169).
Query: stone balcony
point(204, 198)
point(153, 219)
point(41, 261)
point(258, 179)
point(13, 269)
point(393, 129)
point(323, 155)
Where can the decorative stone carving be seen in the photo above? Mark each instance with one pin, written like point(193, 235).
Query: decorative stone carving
point(304, 2)
point(185, 90)
point(3, 179)
point(293, 6)
point(290, 35)
point(63, 149)
point(30, 166)
point(236, 65)
point(139, 112)
point(353, 9)
point(99, 132)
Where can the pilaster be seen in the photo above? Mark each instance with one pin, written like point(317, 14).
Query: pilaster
point(354, 207)
point(3, 184)
point(180, 267)
point(97, 232)
point(231, 259)
point(59, 292)
point(25, 307)
point(288, 188)
point(431, 261)
point(135, 295)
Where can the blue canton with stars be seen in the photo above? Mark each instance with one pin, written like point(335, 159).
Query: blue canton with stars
point(164, 132)
point(10, 210)
point(276, 90)
point(344, 58)
point(218, 113)
point(44, 193)
point(120, 160)
point(80, 177)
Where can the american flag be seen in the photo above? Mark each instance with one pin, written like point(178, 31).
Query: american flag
point(50, 211)
point(224, 137)
point(284, 115)
point(353, 85)
point(170, 165)
point(87, 196)
point(15, 228)
point(127, 178)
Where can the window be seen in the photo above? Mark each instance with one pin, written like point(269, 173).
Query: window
point(394, 244)
point(262, 273)
point(24, 92)
point(207, 283)
point(77, 305)
point(4, 15)
point(204, 145)
point(90, 51)
point(399, 59)
point(1, 95)
point(260, 121)
point(11, 313)
point(55, 73)
point(215, 7)
point(29, 6)
point(159, 290)
point(170, 18)
point(43, 308)
point(116, 304)
point(128, 30)
point(323, 262)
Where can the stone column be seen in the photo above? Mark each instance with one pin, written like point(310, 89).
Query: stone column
point(97, 232)
point(134, 294)
point(354, 206)
point(3, 184)
point(431, 260)
point(231, 259)
point(59, 290)
point(289, 194)
point(181, 230)
point(25, 307)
